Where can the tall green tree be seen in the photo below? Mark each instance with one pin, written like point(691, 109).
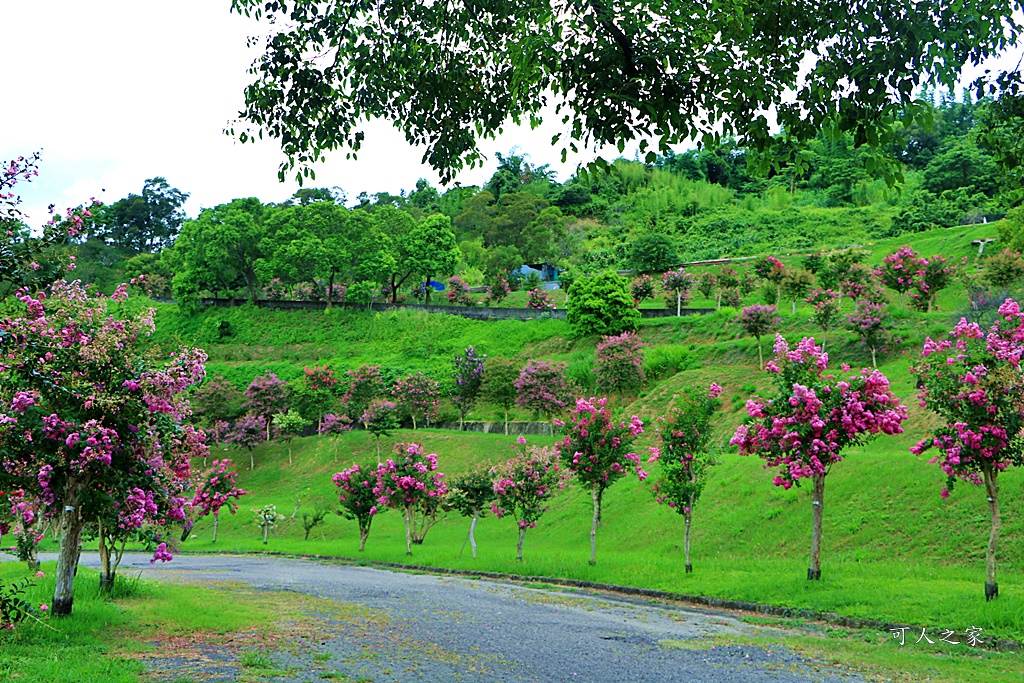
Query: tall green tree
point(142, 222)
point(219, 250)
point(431, 248)
point(619, 70)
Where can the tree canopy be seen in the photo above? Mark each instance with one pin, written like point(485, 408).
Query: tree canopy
point(449, 75)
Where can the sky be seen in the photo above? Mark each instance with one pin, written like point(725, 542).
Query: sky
point(117, 91)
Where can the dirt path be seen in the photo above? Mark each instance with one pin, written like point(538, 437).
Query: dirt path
point(434, 628)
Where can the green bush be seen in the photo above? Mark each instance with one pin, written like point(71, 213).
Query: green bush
point(601, 304)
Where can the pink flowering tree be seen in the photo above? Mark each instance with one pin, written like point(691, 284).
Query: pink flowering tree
point(215, 490)
point(523, 486)
point(317, 393)
point(88, 415)
point(676, 285)
point(248, 432)
point(265, 396)
point(467, 379)
point(898, 271)
point(458, 292)
point(417, 395)
point(825, 303)
point(870, 322)
point(470, 496)
point(543, 388)
point(411, 482)
point(707, 283)
point(539, 300)
point(973, 382)
point(380, 418)
point(814, 416)
point(642, 289)
point(28, 261)
point(684, 458)
point(497, 291)
point(365, 384)
point(598, 451)
point(287, 426)
point(619, 363)
point(333, 425)
point(934, 275)
point(21, 516)
point(357, 494)
point(757, 321)
point(773, 271)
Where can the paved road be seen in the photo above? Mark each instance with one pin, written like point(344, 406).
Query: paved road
point(444, 629)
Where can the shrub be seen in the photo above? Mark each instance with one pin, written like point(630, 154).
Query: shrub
point(539, 300)
point(458, 292)
point(1005, 269)
point(601, 305)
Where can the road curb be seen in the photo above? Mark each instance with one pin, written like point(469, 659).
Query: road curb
point(997, 644)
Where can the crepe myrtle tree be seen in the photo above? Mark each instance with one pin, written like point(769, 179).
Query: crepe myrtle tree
point(287, 426)
point(684, 458)
point(619, 363)
point(898, 271)
point(358, 498)
point(825, 303)
point(871, 323)
point(677, 284)
point(524, 484)
point(642, 289)
point(418, 395)
point(215, 490)
point(379, 418)
point(467, 378)
point(411, 482)
point(499, 387)
point(972, 381)
point(772, 271)
point(804, 429)
point(88, 415)
point(248, 432)
point(265, 396)
point(470, 496)
point(757, 321)
point(597, 451)
point(543, 388)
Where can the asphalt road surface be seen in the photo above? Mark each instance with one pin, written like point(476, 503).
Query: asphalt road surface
point(446, 629)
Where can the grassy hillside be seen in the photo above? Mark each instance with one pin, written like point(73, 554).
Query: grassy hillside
point(892, 548)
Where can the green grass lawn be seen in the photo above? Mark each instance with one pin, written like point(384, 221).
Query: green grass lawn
point(892, 549)
point(105, 641)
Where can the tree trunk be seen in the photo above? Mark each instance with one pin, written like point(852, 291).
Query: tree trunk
point(593, 526)
point(679, 304)
point(289, 453)
point(506, 421)
point(408, 530)
point(824, 338)
point(794, 306)
point(330, 289)
point(519, 547)
point(71, 524)
point(216, 523)
point(252, 460)
point(874, 362)
point(818, 503)
point(992, 490)
point(106, 574)
point(760, 354)
point(364, 533)
point(462, 421)
point(413, 421)
point(266, 531)
point(687, 516)
point(472, 529)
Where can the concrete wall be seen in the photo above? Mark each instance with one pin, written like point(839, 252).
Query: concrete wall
point(474, 312)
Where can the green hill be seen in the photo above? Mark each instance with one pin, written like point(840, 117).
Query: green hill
point(892, 548)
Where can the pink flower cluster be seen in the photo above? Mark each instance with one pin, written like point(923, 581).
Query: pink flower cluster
point(595, 448)
point(412, 477)
point(524, 484)
point(217, 489)
point(972, 380)
point(814, 417)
